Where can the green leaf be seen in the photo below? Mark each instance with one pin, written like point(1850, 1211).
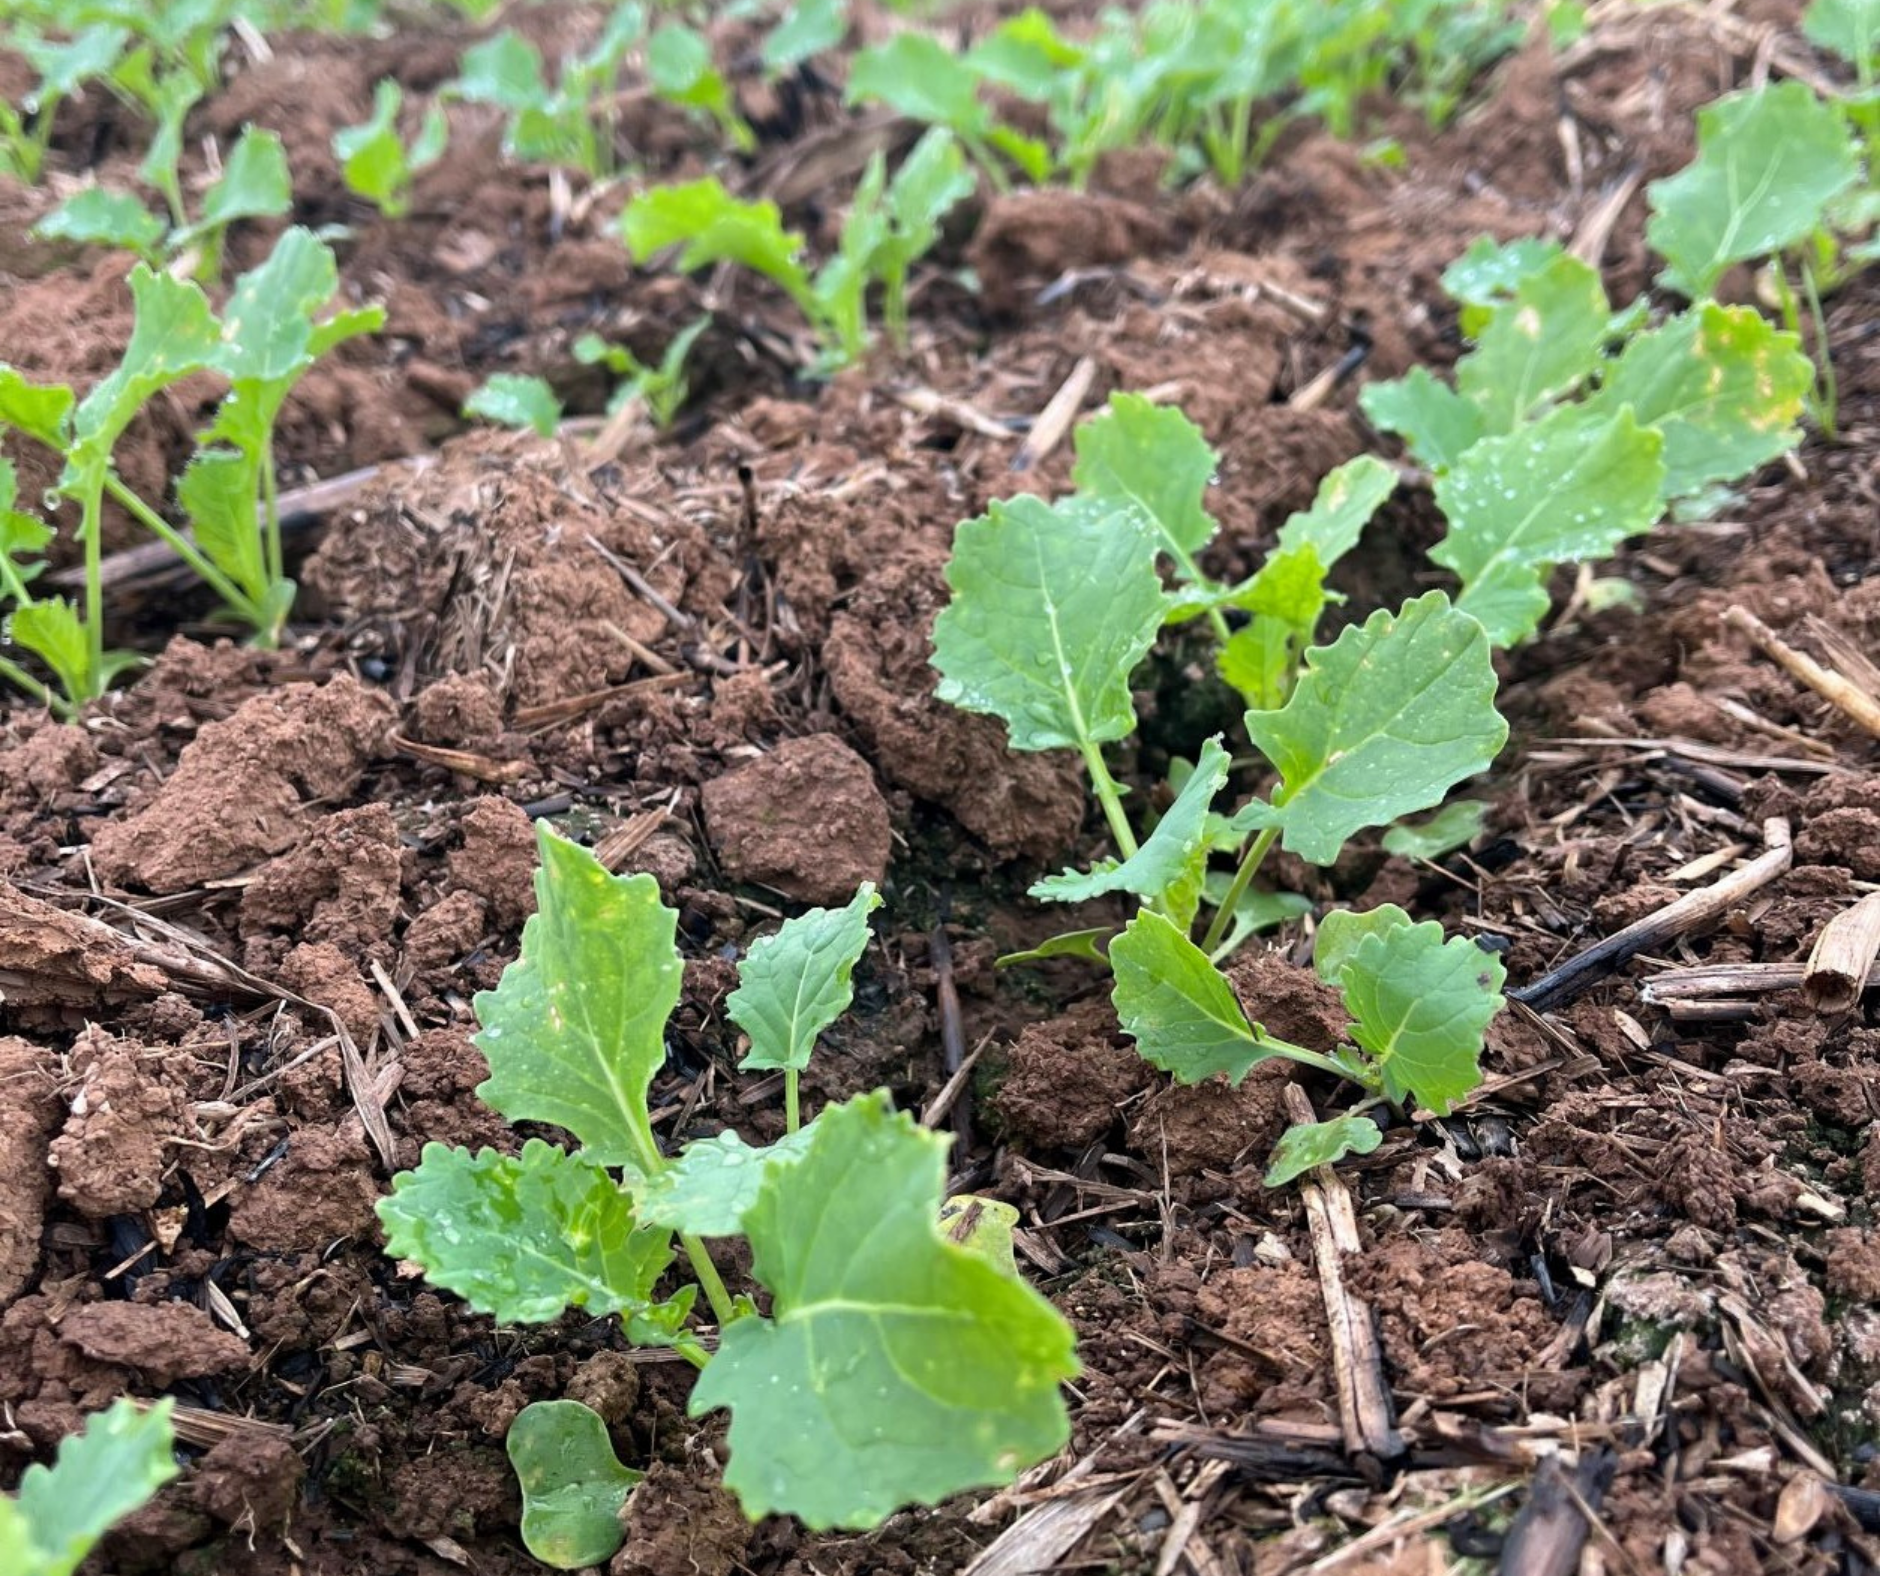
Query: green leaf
point(218, 493)
point(806, 29)
point(1420, 1006)
point(1768, 162)
point(1177, 1007)
point(1154, 457)
point(50, 629)
point(794, 984)
point(1310, 1144)
point(1459, 822)
point(67, 65)
point(919, 77)
point(100, 216)
point(267, 326)
point(1258, 660)
point(574, 1489)
point(707, 1190)
point(374, 161)
point(121, 1457)
point(576, 1029)
point(679, 66)
point(1565, 489)
point(1537, 345)
point(1053, 606)
point(1721, 386)
point(22, 537)
point(982, 1226)
point(1490, 271)
point(1085, 944)
point(715, 227)
point(43, 411)
point(1027, 55)
point(1850, 28)
point(895, 1368)
point(504, 70)
point(174, 335)
point(1343, 929)
point(1435, 422)
point(1170, 855)
point(524, 1238)
point(1383, 722)
point(255, 184)
point(516, 399)
point(1347, 498)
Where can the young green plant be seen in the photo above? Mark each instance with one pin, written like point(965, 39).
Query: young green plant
point(894, 1366)
point(377, 163)
point(109, 1468)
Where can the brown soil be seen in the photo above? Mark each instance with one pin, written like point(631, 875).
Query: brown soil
point(249, 899)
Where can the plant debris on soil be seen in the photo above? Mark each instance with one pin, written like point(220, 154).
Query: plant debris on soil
point(1624, 1300)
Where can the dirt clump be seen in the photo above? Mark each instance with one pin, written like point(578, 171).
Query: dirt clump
point(248, 1481)
point(236, 796)
point(110, 1155)
point(1213, 1125)
point(30, 1110)
point(163, 1341)
point(321, 1191)
point(805, 820)
point(495, 860)
point(459, 711)
point(339, 884)
point(680, 1523)
point(1069, 1079)
point(1289, 1002)
point(1029, 238)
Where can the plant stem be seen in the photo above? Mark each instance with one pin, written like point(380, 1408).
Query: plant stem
point(1828, 402)
point(182, 546)
point(709, 1278)
point(1110, 797)
point(17, 676)
point(91, 528)
point(1298, 1053)
point(1243, 877)
point(792, 1112)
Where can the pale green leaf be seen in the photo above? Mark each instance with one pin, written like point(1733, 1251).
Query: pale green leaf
point(982, 1226)
point(1420, 1006)
point(64, 66)
point(709, 1187)
point(1490, 271)
point(574, 1488)
point(100, 216)
point(267, 325)
point(1538, 344)
point(1258, 660)
point(218, 492)
point(794, 984)
point(576, 1029)
point(895, 1368)
point(504, 70)
point(1851, 28)
point(115, 1463)
point(50, 629)
point(1053, 606)
point(1154, 457)
point(374, 160)
point(1721, 385)
point(806, 29)
point(1169, 855)
point(715, 227)
point(1310, 1144)
point(919, 77)
point(1457, 823)
point(1769, 161)
point(1436, 423)
point(1565, 489)
point(43, 411)
point(1341, 931)
point(523, 1238)
point(932, 179)
point(255, 183)
point(1085, 944)
point(173, 336)
point(1177, 1006)
point(516, 399)
point(1382, 723)
point(1347, 498)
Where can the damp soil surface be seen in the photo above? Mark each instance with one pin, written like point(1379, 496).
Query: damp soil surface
point(248, 899)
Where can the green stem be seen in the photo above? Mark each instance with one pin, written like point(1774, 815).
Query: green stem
point(1110, 797)
point(91, 523)
point(1243, 877)
point(17, 676)
point(709, 1278)
point(652, 1162)
point(182, 546)
point(1298, 1053)
point(271, 505)
point(792, 1110)
point(1828, 404)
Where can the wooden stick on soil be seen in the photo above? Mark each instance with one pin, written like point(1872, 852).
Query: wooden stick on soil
point(1365, 1411)
point(1047, 432)
point(1843, 957)
point(1548, 1535)
point(1688, 913)
point(1835, 688)
point(1720, 981)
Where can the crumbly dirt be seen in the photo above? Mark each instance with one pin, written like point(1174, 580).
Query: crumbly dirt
point(1650, 1233)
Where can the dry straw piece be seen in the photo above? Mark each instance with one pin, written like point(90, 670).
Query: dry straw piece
point(1843, 956)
